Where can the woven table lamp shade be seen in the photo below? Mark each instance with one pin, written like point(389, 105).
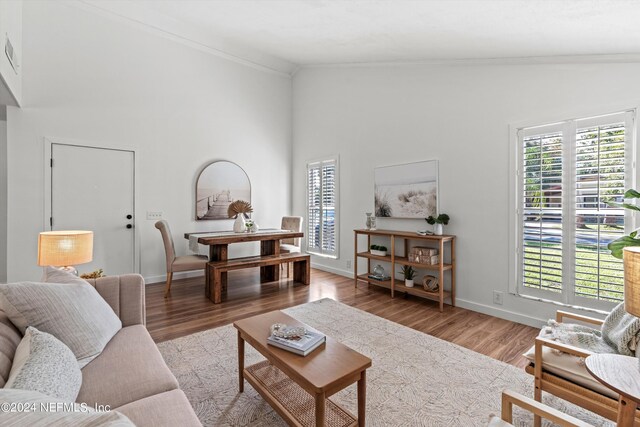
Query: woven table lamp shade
point(632, 280)
point(65, 248)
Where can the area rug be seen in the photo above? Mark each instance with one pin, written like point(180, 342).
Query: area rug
point(415, 380)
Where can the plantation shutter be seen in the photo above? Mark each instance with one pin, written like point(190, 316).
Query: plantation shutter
point(600, 153)
point(568, 173)
point(322, 231)
point(541, 218)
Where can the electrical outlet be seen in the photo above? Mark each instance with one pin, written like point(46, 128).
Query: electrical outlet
point(154, 215)
point(349, 264)
point(497, 297)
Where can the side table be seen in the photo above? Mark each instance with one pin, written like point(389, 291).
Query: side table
point(622, 375)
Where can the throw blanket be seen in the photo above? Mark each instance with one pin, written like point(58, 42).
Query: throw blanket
point(619, 333)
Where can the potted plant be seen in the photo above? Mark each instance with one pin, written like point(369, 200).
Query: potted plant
point(378, 250)
point(409, 273)
point(438, 222)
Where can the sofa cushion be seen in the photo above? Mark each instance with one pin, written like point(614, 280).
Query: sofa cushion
point(39, 410)
point(168, 409)
point(10, 338)
point(129, 368)
point(74, 313)
point(43, 363)
point(569, 367)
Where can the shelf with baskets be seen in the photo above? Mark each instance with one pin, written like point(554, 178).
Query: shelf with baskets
point(402, 242)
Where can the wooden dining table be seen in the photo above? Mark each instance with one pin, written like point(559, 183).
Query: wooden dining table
point(219, 241)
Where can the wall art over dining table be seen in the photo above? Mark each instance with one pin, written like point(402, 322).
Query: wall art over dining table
point(407, 191)
point(219, 184)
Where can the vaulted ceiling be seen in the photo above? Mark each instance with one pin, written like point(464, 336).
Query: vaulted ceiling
point(290, 33)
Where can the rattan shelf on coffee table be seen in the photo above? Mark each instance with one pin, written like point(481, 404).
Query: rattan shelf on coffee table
point(284, 394)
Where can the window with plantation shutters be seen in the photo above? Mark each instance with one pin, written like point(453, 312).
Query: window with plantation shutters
point(322, 231)
point(568, 174)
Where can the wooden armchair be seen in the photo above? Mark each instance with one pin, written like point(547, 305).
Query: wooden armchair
point(510, 398)
point(564, 377)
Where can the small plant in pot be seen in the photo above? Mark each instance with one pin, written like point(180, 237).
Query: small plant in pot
point(438, 222)
point(409, 273)
point(378, 250)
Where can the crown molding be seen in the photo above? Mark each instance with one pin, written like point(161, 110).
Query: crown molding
point(533, 60)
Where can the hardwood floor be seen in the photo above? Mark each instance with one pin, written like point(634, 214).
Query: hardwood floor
point(187, 310)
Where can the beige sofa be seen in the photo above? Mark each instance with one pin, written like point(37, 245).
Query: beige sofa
point(130, 375)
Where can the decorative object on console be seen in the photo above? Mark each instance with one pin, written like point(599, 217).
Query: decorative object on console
point(430, 283)
point(438, 222)
point(378, 250)
point(406, 191)
point(409, 273)
point(371, 221)
point(240, 210)
point(65, 249)
point(424, 255)
point(378, 273)
point(219, 185)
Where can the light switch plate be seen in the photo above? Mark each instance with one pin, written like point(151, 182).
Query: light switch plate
point(154, 215)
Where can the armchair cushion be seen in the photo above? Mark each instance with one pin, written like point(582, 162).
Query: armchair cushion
point(569, 367)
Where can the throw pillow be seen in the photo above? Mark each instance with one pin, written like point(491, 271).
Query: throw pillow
point(43, 363)
point(75, 313)
point(34, 409)
point(55, 275)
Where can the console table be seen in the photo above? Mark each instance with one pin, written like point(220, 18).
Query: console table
point(401, 239)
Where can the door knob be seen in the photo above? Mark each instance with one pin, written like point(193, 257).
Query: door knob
point(129, 216)
point(129, 226)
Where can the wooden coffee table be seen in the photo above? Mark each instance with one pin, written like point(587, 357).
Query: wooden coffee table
point(297, 387)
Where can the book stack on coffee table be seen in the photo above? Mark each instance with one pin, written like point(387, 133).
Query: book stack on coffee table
point(300, 345)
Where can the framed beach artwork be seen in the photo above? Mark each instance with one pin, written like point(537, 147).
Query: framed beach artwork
point(407, 191)
point(219, 184)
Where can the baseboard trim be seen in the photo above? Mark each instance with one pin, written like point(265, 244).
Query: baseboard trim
point(469, 305)
point(338, 271)
point(163, 277)
point(503, 314)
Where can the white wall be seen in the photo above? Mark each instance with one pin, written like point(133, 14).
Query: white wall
point(3, 201)
point(460, 115)
point(96, 80)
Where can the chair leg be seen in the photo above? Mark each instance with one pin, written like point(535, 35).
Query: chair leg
point(167, 288)
point(288, 265)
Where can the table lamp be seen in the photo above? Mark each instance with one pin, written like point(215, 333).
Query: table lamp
point(65, 249)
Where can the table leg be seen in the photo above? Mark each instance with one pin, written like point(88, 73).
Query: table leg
point(240, 363)
point(320, 404)
point(626, 412)
point(270, 273)
point(219, 253)
point(362, 398)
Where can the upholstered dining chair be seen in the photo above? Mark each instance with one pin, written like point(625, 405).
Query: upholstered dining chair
point(177, 263)
point(290, 223)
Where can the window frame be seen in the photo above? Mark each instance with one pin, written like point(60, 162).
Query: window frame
point(516, 151)
point(319, 251)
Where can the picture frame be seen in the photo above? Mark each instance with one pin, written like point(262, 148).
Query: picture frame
point(407, 190)
point(219, 184)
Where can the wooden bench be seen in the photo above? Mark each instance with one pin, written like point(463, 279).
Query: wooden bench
point(301, 270)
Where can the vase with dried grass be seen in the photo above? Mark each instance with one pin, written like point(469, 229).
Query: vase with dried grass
point(239, 209)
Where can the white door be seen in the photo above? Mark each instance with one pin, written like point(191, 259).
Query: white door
point(93, 189)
